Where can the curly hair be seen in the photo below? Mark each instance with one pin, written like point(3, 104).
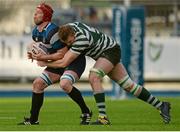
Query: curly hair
point(65, 31)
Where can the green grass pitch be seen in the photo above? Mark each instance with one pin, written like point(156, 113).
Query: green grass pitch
point(61, 114)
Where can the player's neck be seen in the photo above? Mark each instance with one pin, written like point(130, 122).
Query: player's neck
point(42, 26)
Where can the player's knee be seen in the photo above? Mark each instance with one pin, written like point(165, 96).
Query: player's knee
point(96, 75)
point(66, 85)
point(93, 78)
point(38, 85)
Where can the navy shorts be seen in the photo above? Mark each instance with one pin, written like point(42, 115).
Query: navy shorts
point(78, 66)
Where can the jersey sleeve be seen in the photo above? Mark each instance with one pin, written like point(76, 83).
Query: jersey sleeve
point(80, 45)
point(54, 40)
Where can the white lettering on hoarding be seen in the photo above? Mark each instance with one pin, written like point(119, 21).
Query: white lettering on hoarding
point(135, 44)
point(118, 26)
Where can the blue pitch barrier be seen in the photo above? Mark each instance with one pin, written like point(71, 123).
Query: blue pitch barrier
point(47, 93)
point(84, 93)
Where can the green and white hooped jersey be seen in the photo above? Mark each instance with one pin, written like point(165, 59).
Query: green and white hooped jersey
point(89, 41)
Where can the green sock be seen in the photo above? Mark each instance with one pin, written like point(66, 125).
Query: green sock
point(138, 91)
point(149, 98)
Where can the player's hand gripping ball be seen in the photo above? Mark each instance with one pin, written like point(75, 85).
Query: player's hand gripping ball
point(37, 47)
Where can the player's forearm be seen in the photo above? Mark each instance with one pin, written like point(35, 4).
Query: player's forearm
point(53, 57)
point(67, 59)
point(49, 57)
point(58, 55)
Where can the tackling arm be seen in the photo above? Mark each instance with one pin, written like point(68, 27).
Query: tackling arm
point(64, 62)
point(55, 56)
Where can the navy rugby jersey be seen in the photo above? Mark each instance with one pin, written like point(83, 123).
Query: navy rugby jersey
point(49, 36)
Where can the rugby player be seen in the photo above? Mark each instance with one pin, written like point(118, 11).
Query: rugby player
point(83, 39)
point(47, 32)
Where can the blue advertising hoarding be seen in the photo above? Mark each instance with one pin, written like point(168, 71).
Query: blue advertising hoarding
point(128, 30)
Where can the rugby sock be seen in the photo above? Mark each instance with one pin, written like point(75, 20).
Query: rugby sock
point(37, 101)
point(149, 98)
point(139, 91)
point(100, 102)
point(76, 96)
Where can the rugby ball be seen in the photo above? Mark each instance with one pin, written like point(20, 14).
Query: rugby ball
point(37, 47)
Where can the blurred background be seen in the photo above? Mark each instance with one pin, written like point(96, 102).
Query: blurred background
point(161, 42)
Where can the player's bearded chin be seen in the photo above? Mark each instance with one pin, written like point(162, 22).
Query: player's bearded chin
point(38, 23)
